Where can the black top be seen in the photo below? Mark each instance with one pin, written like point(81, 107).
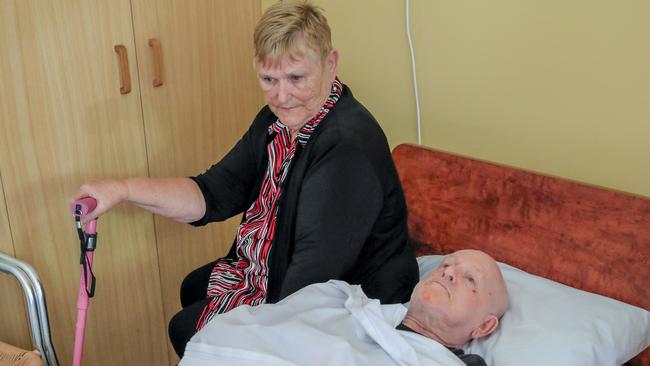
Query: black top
point(468, 359)
point(342, 213)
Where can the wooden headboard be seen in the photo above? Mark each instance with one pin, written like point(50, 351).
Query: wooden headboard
point(586, 237)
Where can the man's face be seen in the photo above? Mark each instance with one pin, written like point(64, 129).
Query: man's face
point(455, 298)
point(295, 88)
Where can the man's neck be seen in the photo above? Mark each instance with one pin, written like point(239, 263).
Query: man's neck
point(413, 325)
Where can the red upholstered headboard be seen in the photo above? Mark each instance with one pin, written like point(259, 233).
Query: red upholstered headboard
point(590, 238)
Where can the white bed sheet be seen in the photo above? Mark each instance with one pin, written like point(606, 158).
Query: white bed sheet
point(323, 324)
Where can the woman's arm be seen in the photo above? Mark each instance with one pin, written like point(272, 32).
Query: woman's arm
point(217, 194)
point(179, 199)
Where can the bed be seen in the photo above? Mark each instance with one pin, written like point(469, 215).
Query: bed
point(574, 257)
point(589, 238)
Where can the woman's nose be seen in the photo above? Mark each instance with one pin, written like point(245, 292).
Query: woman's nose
point(283, 93)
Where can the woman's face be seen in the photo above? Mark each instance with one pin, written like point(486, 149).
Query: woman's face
point(296, 88)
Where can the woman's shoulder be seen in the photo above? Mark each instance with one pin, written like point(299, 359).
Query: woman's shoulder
point(263, 119)
point(352, 136)
point(353, 120)
point(353, 126)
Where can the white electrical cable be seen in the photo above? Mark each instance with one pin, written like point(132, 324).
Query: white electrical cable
point(415, 80)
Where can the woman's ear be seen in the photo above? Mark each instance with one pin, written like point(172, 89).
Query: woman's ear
point(488, 326)
point(332, 62)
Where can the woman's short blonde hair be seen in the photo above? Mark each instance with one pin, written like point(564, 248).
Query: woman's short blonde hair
point(282, 27)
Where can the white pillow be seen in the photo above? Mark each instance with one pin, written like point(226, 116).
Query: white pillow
point(548, 323)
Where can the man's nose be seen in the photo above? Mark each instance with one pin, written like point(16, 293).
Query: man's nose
point(448, 274)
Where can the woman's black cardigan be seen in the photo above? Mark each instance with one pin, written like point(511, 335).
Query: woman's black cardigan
point(342, 213)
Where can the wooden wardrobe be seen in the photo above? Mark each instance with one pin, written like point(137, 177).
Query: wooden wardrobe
point(68, 114)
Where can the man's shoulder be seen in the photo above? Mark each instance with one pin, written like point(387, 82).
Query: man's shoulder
point(468, 359)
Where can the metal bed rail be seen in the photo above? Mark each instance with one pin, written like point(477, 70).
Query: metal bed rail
point(36, 307)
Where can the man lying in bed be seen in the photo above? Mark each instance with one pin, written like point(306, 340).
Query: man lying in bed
point(334, 323)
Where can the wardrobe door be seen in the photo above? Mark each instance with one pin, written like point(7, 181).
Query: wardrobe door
point(208, 98)
point(63, 121)
point(13, 319)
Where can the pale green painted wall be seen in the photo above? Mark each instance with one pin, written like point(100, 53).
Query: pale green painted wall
point(560, 87)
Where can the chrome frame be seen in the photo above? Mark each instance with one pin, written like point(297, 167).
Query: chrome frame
point(36, 307)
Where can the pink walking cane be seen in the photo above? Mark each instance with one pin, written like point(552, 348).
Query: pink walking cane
point(88, 240)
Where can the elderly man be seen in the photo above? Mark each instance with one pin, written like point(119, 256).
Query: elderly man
point(334, 323)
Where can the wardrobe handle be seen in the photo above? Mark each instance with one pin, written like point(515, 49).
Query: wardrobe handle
point(125, 77)
point(154, 43)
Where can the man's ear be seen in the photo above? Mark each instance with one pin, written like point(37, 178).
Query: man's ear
point(488, 326)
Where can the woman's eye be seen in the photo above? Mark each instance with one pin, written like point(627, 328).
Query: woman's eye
point(296, 77)
point(471, 280)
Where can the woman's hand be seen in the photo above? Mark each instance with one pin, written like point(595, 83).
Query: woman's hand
point(107, 193)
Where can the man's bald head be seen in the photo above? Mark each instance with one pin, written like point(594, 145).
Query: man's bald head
point(462, 299)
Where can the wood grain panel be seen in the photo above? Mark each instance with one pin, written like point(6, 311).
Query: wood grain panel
point(6, 243)
point(209, 97)
point(63, 122)
point(14, 328)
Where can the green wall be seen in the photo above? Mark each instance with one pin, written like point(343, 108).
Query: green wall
point(559, 87)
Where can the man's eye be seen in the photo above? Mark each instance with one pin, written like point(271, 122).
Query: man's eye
point(471, 279)
point(267, 79)
point(296, 77)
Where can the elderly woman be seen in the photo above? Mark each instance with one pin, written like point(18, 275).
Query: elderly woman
point(313, 175)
